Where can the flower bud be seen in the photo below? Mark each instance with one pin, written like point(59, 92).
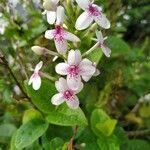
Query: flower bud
point(38, 50)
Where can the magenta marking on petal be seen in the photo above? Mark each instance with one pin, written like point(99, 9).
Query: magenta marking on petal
point(93, 11)
point(73, 70)
point(59, 34)
point(35, 75)
point(68, 95)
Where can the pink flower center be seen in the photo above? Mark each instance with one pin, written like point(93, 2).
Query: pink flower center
point(73, 70)
point(93, 10)
point(68, 94)
point(59, 33)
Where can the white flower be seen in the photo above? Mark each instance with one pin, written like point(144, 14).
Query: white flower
point(75, 68)
point(66, 94)
point(50, 7)
point(101, 40)
point(59, 35)
point(35, 79)
point(91, 13)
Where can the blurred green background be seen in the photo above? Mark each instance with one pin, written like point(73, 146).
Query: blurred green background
point(122, 89)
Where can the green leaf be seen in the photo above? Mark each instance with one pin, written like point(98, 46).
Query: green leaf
point(101, 123)
point(65, 116)
point(118, 46)
point(29, 132)
point(136, 145)
point(41, 98)
point(56, 144)
point(107, 127)
point(108, 143)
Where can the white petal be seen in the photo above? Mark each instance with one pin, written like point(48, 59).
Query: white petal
point(62, 68)
point(86, 78)
point(71, 37)
point(31, 79)
point(60, 15)
point(61, 46)
point(57, 99)
point(61, 85)
point(49, 34)
point(102, 21)
point(51, 17)
point(97, 72)
point(55, 1)
point(36, 83)
point(74, 57)
point(79, 88)
point(38, 66)
point(87, 68)
point(99, 36)
point(83, 3)
point(73, 103)
point(83, 21)
point(106, 50)
point(74, 82)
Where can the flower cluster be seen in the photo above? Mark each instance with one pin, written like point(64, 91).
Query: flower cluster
point(75, 67)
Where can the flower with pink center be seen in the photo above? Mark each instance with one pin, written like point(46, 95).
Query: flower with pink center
point(59, 35)
point(66, 94)
point(75, 68)
point(101, 40)
point(35, 79)
point(50, 7)
point(91, 13)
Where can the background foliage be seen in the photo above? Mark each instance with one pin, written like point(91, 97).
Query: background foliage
point(115, 107)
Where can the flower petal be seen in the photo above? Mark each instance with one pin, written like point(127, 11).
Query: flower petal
point(71, 37)
point(31, 79)
point(74, 82)
point(60, 15)
point(99, 36)
point(38, 66)
point(102, 21)
point(57, 99)
point(83, 3)
point(83, 21)
point(74, 57)
point(61, 85)
point(97, 72)
point(86, 67)
point(36, 83)
point(61, 46)
point(73, 103)
point(106, 50)
point(51, 17)
point(79, 88)
point(55, 1)
point(49, 34)
point(86, 78)
point(62, 68)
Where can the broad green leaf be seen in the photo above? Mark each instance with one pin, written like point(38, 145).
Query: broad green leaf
point(108, 143)
point(12, 143)
point(102, 123)
point(136, 145)
point(107, 127)
point(118, 46)
point(65, 116)
point(56, 144)
point(42, 97)
point(31, 114)
point(29, 132)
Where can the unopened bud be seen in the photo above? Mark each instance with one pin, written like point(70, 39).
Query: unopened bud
point(38, 50)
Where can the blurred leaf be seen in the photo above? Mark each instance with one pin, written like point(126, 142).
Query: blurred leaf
point(136, 145)
point(42, 97)
point(118, 46)
point(65, 116)
point(56, 144)
point(29, 132)
point(31, 114)
point(108, 143)
point(101, 123)
point(144, 110)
